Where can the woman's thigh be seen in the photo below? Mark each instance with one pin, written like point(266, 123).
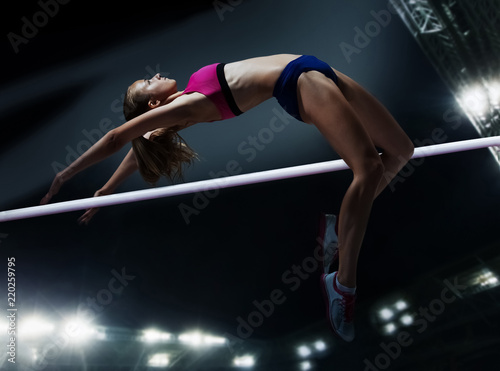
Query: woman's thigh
point(381, 126)
point(322, 104)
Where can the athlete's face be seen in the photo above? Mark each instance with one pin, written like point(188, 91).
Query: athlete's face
point(159, 88)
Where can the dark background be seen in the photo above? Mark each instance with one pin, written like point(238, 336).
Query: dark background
point(206, 273)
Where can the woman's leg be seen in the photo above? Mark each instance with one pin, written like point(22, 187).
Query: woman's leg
point(382, 128)
point(322, 103)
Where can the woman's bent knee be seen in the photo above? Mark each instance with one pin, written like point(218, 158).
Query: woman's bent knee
point(371, 172)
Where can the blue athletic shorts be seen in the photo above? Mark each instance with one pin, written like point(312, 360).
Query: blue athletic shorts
point(285, 90)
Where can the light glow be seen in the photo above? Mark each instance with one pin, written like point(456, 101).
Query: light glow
point(304, 351)
point(401, 305)
point(246, 361)
point(159, 360)
point(475, 100)
point(35, 327)
point(494, 92)
point(197, 339)
point(406, 319)
point(306, 365)
point(386, 313)
point(487, 278)
point(320, 345)
point(390, 328)
point(154, 336)
point(214, 340)
point(79, 330)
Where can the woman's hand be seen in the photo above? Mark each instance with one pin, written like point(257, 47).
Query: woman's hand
point(89, 213)
point(54, 188)
point(103, 148)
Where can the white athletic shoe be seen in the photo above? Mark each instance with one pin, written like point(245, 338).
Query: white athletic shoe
point(339, 307)
point(328, 240)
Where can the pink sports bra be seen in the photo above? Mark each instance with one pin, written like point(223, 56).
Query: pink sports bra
point(211, 82)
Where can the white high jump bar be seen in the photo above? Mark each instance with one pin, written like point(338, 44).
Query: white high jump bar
point(230, 181)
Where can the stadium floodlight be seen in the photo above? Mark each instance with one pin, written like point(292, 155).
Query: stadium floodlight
point(320, 345)
point(494, 92)
point(401, 305)
point(154, 336)
point(159, 360)
point(475, 100)
point(33, 327)
point(386, 313)
point(246, 361)
point(486, 278)
point(197, 339)
point(79, 330)
point(213, 340)
point(306, 365)
point(390, 328)
point(191, 338)
point(304, 351)
point(406, 319)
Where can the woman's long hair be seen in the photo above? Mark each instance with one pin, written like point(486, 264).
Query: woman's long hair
point(165, 152)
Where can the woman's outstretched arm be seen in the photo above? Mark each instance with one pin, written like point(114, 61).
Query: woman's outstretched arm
point(177, 113)
point(127, 167)
point(103, 148)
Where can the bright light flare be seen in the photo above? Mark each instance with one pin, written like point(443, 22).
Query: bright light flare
point(306, 365)
point(154, 336)
point(35, 327)
point(304, 351)
point(488, 278)
point(214, 340)
point(80, 330)
point(390, 328)
point(406, 319)
point(386, 313)
point(244, 361)
point(159, 360)
point(401, 305)
point(320, 345)
point(494, 92)
point(475, 100)
point(198, 339)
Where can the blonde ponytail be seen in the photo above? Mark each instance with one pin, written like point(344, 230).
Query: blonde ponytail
point(164, 153)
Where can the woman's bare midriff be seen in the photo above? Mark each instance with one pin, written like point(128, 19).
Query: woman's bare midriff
point(252, 80)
